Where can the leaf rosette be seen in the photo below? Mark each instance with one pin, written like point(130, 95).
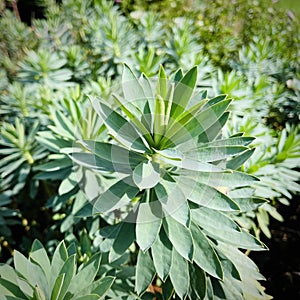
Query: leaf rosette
point(174, 172)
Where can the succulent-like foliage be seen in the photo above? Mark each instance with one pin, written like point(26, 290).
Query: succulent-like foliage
point(37, 278)
point(18, 153)
point(174, 176)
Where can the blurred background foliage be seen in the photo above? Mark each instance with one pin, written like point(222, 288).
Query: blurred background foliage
point(54, 53)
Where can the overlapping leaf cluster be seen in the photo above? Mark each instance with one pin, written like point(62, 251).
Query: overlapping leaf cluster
point(38, 278)
point(172, 161)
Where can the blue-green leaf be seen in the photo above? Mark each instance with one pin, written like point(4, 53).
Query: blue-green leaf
point(125, 237)
point(39, 255)
point(183, 92)
point(204, 254)
point(145, 272)
point(197, 282)
point(118, 195)
point(180, 237)
point(224, 229)
point(84, 277)
point(162, 255)
point(205, 195)
point(122, 130)
point(146, 175)
point(147, 226)
point(179, 274)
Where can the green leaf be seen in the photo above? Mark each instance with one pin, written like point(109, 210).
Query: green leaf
point(25, 287)
point(39, 255)
point(147, 226)
point(103, 285)
point(69, 269)
point(232, 141)
point(89, 297)
point(197, 282)
point(84, 277)
point(51, 141)
point(191, 164)
point(205, 195)
point(145, 272)
point(59, 257)
point(179, 274)
point(183, 92)
point(38, 278)
point(132, 89)
point(239, 160)
point(216, 99)
point(8, 273)
point(10, 288)
point(214, 153)
point(214, 130)
point(247, 270)
point(57, 287)
point(122, 130)
point(249, 204)
point(196, 126)
point(134, 114)
point(125, 238)
point(173, 202)
point(118, 195)
point(180, 237)
point(162, 255)
point(56, 165)
point(110, 233)
point(230, 179)
point(38, 294)
point(218, 290)
point(116, 155)
point(224, 229)
point(162, 86)
point(178, 75)
point(20, 263)
point(146, 175)
point(204, 254)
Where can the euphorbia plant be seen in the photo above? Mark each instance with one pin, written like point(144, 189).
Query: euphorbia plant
point(176, 188)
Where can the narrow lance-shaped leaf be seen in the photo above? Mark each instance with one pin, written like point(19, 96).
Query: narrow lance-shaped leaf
point(145, 272)
point(39, 255)
point(147, 225)
point(69, 269)
point(205, 195)
point(125, 237)
point(162, 255)
point(57, 286)
point(159, 119)
point(239, 160)
point(122, 129)
point(173, 202)
point(225, 229)
point(119, 158)
point(135, 94)
point(196, 126)
point(183, 92)
point(132, 113)
point(180, 237)
point(179, 274)
point(197, 282)
point(204, 254)
point(118, 195)
point(85, 276)
point(228, 179)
